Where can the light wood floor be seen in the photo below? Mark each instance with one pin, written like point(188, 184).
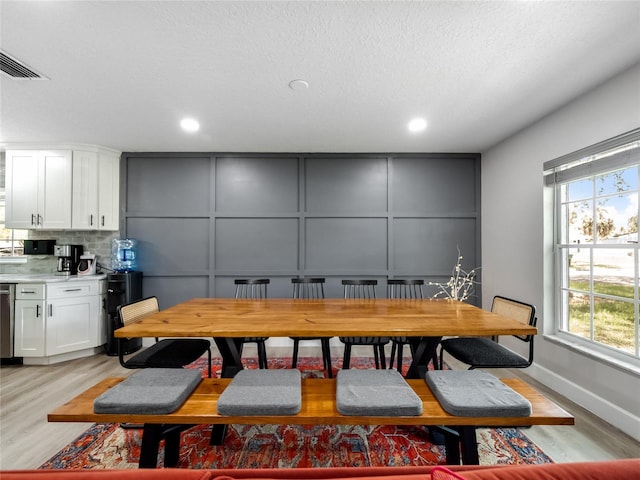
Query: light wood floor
point(28, 393)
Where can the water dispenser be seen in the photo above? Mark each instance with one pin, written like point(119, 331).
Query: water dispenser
point(124, 255)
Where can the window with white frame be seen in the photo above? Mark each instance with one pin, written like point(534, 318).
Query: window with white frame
point(597, 261)
point(11, 240)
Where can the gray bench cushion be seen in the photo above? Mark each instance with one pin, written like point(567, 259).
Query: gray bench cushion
point(149, 391)
point(473, 393)
point(375, 393)
point(262, 392)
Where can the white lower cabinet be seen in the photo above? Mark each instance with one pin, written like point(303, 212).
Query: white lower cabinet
point(29, 333)
point(71, 324)
point(29, 328)
point(68, 318)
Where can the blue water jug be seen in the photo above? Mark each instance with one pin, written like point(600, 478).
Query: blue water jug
point(124, 255)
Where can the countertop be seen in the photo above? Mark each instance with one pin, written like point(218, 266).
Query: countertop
point(47, 278)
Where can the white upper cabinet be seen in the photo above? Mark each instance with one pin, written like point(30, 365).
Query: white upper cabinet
point(96, 178)
point(38, 188)
point(109, 192)
point(85, 196)
point(21, 185)
point(62, 189)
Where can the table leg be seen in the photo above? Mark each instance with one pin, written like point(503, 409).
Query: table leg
point(172, 445)
point(326, 355)
point(469, 445)
point(151, 436)
point(423, 349)
point(231, 350)
point(459, 443)
point(449, 438)
point(217, 434)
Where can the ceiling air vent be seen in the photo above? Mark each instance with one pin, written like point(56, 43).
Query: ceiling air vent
point(14, 69)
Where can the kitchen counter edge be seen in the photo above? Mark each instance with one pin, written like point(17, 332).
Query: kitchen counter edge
point(47, 278)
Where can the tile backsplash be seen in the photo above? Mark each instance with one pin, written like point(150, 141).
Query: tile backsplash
point(93, 241)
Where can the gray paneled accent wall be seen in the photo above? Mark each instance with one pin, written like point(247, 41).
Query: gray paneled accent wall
point(204, 219)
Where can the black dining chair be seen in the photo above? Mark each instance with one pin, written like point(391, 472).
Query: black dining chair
point(365, 289)
point(166, 352)
point(484, 352)
point(254, 288)
point(311, 288)
point(405, 289)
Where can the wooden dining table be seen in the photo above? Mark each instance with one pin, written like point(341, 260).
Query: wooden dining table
point(227, 320)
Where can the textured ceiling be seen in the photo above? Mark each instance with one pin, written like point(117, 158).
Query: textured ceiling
point(122, 74)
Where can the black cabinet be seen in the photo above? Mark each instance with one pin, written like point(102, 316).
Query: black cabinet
point(122, 288)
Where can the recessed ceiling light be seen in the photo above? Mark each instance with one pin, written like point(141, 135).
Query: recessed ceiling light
point(417, 125)
point(298, 85)
point(190, 125)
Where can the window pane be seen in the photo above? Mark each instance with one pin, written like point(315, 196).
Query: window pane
point(580, 189)
point(11, 241)
point(19, 236)
point(617, 218)
point(617, 182)
point(613, 272)
point(579, 321)
point(5, 233)
point(617, 205)
point(579, 221)
point(578, 274)
point(613, 323)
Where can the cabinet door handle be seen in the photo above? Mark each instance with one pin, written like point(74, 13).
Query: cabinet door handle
point(103, 220)
point(37, 311)
point(51, 309)
point(27, 291)
point(40, 220)
point(73, 290)
point(91, 219)
point(33, 219)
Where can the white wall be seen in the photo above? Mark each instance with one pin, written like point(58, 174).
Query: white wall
point(516, 245)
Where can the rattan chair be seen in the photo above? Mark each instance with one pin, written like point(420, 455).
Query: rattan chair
point(254, 288)
point(363, 289)
point(165, 353)
point(483, 352)
point(310, 288)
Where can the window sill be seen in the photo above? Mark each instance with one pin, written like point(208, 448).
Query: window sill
point(615, 362)
point(13, 260)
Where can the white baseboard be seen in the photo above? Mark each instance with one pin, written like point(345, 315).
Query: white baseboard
point(610, 413)
point(62, 357)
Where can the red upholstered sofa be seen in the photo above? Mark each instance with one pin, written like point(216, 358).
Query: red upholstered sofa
point(616, 469)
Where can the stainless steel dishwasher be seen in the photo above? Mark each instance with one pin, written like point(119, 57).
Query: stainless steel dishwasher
point(7, 320)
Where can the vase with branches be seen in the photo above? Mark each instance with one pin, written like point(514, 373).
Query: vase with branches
point(461, 285)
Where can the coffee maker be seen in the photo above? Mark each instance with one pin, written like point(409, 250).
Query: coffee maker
point(68, 258)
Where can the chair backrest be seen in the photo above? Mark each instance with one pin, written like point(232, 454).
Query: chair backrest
point(308, 287)
point(402, 288)
point(135, 311)
point(522, 312)
point(251, 287)
point(359, 288)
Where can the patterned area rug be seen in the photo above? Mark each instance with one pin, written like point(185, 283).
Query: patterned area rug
point(293, 446)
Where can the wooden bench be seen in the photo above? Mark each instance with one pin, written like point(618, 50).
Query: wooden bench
point(318, 408)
